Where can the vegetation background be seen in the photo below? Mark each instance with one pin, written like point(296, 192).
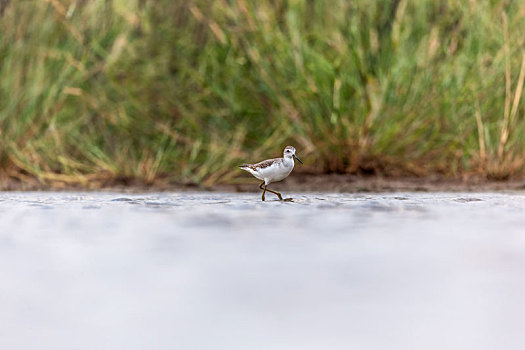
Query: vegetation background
point(181, 91)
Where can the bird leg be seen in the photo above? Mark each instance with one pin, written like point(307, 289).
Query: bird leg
point(272, 191)
point(264, 190)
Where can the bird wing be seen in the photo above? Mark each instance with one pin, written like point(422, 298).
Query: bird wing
point(261, 165)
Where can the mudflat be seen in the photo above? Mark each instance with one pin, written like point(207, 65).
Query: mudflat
point(194, 270)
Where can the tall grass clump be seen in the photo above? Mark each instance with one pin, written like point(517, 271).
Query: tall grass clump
point(93, 91)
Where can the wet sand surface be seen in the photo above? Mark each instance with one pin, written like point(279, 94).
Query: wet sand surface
point(226, 271)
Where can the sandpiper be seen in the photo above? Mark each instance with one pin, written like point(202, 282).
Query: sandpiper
point(273, 170)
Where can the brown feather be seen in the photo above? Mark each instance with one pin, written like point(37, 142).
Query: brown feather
point(261, 165)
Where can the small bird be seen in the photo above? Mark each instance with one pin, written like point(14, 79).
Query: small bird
point(273, 170)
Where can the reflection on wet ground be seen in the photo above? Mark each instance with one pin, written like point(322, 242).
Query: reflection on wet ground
point(226, 271)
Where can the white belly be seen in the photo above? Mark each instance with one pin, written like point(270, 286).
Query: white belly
point(274, 173)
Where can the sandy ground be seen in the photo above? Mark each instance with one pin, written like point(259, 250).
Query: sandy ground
point(298, 182)
point(356, 184)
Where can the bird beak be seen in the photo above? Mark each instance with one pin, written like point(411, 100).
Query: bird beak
point(300, 161)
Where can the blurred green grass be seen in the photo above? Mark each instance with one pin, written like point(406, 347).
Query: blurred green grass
point(181, 91)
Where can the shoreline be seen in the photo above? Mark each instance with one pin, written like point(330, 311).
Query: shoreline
point(296, 183)
point(376, 184)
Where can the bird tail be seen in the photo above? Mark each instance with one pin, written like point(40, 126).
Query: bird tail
point(245, 167)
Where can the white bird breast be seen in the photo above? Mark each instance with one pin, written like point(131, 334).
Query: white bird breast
point(275, 172)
